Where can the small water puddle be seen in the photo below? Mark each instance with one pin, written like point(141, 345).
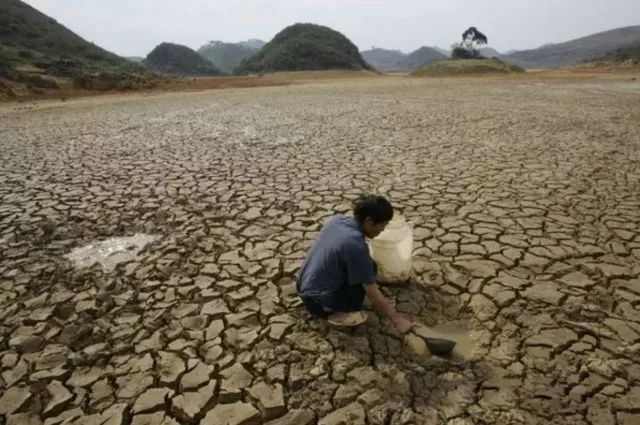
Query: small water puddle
point(110, 252)
point(453, 332)
point(464, 345)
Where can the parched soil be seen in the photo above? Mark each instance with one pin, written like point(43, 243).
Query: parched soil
point(525, 200)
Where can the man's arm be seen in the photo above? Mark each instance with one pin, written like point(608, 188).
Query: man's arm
point(381, 304)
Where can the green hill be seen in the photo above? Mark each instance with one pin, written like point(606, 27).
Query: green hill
point(176, 59)
point(305, 47)
point(226, 56)
point(461, 67)
point(34, 46)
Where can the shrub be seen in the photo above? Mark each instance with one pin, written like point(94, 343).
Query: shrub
point(6, 70)
point(37, 81)
point(25, 54)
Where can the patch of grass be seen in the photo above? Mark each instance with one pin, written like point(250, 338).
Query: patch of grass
point(461, 67)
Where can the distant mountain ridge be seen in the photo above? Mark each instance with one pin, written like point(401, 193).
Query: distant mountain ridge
point(383, 59)
point(489, 52)
point(227, 56)
point(422, 56)
point(574, 51)
point(447, 53)
point(253, 43)
point(396, 60)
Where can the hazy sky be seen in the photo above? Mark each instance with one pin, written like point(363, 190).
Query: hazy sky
point(135, 27)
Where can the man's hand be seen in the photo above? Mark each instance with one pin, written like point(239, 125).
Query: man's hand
point(381, 304)
point(402, 324)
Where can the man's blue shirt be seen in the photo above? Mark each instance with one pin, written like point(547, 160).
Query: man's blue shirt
point(339, 257)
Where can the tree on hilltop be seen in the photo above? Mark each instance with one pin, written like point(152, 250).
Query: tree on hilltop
point(472, 38)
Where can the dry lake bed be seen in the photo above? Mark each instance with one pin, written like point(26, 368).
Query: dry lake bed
point(524, 194)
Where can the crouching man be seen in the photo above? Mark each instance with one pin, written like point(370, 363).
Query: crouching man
point(338, 271)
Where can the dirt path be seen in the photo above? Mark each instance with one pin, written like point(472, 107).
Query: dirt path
point(525, 196)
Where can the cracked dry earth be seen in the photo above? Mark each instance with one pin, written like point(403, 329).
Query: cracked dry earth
point(525, 201)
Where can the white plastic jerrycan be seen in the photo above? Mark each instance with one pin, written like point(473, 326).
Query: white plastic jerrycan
point(392, 251)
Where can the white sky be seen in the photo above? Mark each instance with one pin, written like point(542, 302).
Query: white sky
point(135, 27)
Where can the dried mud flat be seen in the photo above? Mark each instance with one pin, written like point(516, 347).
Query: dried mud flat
point(525, 196)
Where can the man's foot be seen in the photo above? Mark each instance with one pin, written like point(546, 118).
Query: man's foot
point(351, 319)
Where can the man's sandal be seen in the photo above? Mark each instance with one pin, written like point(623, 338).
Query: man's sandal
point(351, 319)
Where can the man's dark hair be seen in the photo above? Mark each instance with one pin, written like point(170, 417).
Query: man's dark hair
point(374, 206)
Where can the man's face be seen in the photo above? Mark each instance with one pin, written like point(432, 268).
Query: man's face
point(372, 229)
